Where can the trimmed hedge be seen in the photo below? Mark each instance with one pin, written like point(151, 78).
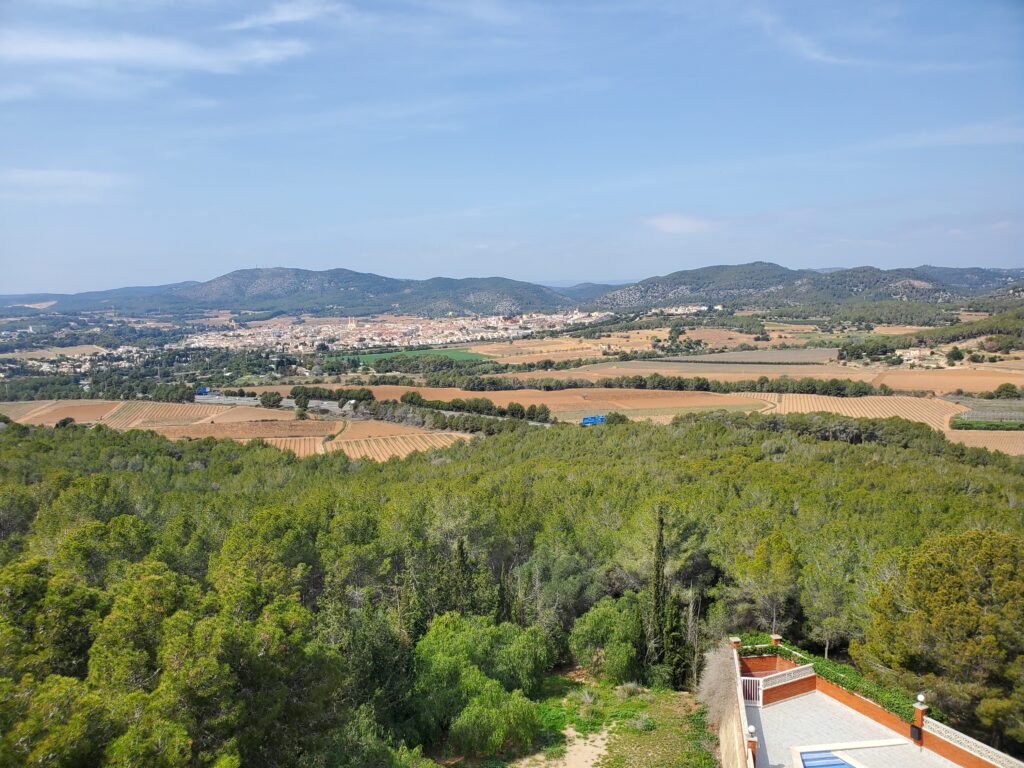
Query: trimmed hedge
point(894, 700)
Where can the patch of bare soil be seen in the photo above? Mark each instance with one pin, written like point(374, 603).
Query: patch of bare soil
point(580, 752)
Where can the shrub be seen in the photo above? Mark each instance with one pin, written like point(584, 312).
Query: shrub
point(270, 399)
point(495, 721)
point(606, 639)
point(1007, 391)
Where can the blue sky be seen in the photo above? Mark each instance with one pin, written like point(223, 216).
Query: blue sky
point(150, 141)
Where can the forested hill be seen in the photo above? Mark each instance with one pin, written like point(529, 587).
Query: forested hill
point(764, 284)
point(340, 290)
point(211, 604)
point(346, 292)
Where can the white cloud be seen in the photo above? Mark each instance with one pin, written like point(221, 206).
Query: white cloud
point(291, 12)
point(678, 224)
point(797, 43)
point(483, 11)
point(56, 185)
point(142, 52)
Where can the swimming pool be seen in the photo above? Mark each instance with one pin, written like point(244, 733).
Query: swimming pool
point(822, 760)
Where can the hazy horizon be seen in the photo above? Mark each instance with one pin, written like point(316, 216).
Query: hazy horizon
point(554, 284)
point(146, 143)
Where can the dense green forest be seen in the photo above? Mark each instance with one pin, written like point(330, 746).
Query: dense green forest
point(211, 604)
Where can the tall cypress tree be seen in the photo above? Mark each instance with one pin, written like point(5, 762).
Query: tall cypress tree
point(659, 589)
point(503, 611)
point(676, 656)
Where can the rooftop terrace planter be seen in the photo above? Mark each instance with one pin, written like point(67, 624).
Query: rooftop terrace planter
point(844, 676)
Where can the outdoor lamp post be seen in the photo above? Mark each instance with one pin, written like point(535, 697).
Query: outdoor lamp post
point(917, 729)
point(752, 742)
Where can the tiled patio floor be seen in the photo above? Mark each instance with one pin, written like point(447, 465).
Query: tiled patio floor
point(815, 719)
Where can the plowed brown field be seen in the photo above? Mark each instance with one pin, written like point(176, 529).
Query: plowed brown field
point(713, 371)
point(356, 430)
point(300, 446)
point(949, 379)
point(19, 411)
point(141, 414)
point(250, 413)
point(1007, 442)
point(83, 412)
point(384, 448)
point(567, 348)
point(251, 429)
point(940, 381)
point(378, 440)
point(573, 401)
point(934, 413)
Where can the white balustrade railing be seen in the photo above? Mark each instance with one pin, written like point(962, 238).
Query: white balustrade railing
point(975, 747)
point(787, 676)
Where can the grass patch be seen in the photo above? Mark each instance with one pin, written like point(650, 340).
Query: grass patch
point(654, 728)
point(671, 732)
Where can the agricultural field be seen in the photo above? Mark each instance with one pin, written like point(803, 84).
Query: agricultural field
point(300, 446)
point(660, 406)
point(948, 380)
point(1007, 442)
point(384, 448)
point(87, 411)
point(23, 409)
point(715, 371)
point(931, 411)
point(898, 330)
point(981, 378)
point(376, 440)
point(453, 352)
point(52, 353)
point(934, 412)
point(723, 337)
point(143, 414)
point(568, 348)
point(248, 430)
point(799, 356)
point(573, 403)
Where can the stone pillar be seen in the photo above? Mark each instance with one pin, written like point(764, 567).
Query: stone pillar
point(776, 639)
point(920, 710)
point(735, 642)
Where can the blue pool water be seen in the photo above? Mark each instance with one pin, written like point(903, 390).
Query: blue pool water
point(822, 760)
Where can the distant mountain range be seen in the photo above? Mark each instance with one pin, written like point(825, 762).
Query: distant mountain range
point(345, 292)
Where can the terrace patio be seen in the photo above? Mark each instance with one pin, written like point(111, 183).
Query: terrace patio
point(814, 722)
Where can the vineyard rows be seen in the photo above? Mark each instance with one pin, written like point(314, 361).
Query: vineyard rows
point(383, 448)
